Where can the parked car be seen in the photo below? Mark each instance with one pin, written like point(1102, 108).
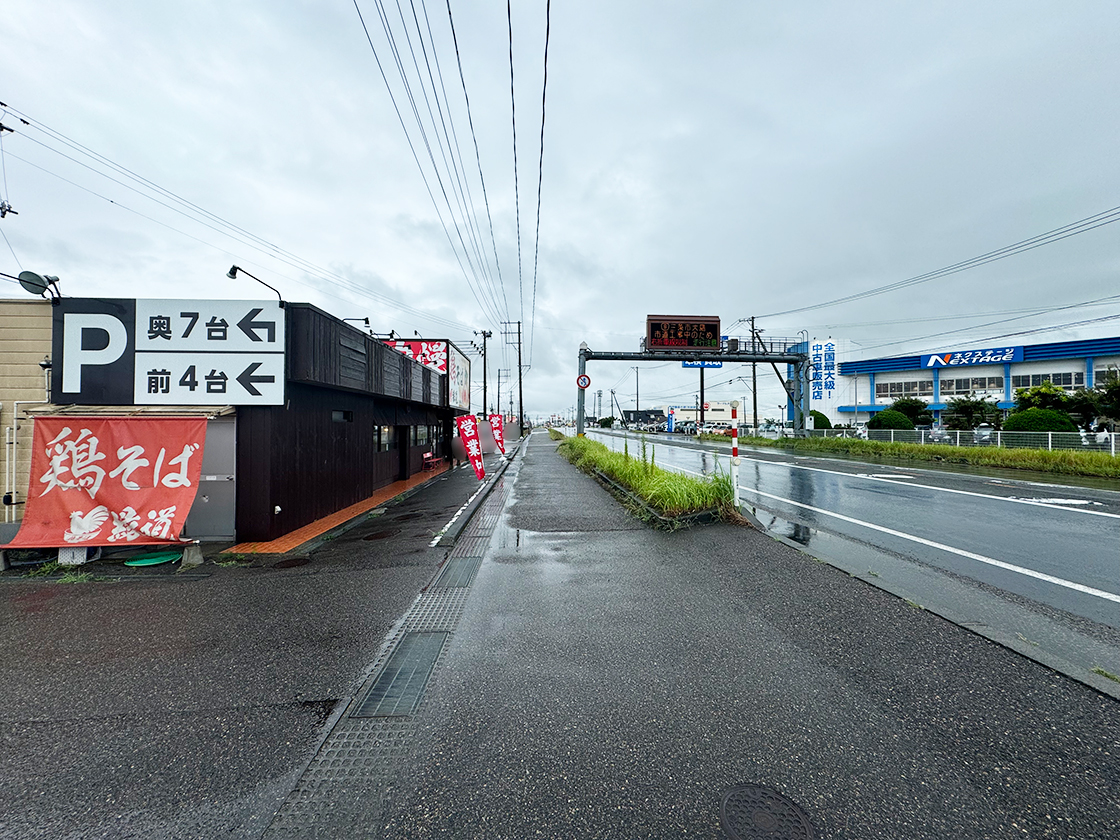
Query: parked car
point(982, 434)
point(939, 434)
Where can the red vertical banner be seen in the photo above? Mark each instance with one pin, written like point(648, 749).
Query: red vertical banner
point(111, 480)
point(468, 431)
point(499, 435)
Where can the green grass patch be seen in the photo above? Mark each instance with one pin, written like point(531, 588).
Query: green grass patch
point(555, 435)
point(1058, 462)
point(668, 493)
point(1108, 675)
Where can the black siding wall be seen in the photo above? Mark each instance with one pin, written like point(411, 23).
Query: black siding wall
point(300, 459)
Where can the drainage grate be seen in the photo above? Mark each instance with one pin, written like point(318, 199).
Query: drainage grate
point(458, 572)
point(752, 811)
point(399, 687)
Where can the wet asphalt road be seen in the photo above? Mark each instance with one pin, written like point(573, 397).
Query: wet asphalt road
point(1066, 532)
point(612, 681)
point(185, 706)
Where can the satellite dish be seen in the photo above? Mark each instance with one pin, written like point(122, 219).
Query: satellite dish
point(33, 283)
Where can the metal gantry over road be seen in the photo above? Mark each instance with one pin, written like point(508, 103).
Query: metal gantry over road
point(796, 386)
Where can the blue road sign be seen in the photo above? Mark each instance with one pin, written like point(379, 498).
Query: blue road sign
point(702, 364)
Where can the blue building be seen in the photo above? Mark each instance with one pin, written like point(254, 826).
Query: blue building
point(996, 371)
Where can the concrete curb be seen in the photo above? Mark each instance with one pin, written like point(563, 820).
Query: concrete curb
point(463, 517)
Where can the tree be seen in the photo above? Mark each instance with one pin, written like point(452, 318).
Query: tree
point(1085, 406)
point(606, 422)
point(969, 412)
point(1109, 398)
point(1039, 420)
point(915, 409)
point(890, 419)
point(819, 420)
point(1047, 395)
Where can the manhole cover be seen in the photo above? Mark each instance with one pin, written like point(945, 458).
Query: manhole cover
point(291, 562)
point(752, 812)
point(405, 516)
point(381, 535)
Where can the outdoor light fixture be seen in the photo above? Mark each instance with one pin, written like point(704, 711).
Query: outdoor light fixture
point(363, 320)
point(232, 275)
point(40, 285)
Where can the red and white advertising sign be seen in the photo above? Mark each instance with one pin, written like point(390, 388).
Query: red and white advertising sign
point(499, 435)
point(432, 354)
point(468, 431)
point(111, 480)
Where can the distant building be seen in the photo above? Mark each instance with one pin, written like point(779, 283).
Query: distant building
point(862, 388)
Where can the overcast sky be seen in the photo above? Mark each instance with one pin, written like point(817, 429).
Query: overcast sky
point(727, 158)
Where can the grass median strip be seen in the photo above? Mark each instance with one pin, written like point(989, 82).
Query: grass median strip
point(1059, 462)
point(670, 494)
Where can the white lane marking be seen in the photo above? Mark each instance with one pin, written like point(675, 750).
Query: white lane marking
point(885, 475)
point(980, 558)
point(458, 513)
point(1059, 501)
point(1045, 504)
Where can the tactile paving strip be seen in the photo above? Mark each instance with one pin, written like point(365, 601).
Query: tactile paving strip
point(347, 786)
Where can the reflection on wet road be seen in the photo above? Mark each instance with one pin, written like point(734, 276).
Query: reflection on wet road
point(1053, 544)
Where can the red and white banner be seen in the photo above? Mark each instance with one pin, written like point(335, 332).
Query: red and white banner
point(468, 431)
point(432, 354)
point(499, 437)
point(111, 480)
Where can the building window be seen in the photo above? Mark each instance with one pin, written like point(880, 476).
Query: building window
point(387, 439)
point(342, 416)
point(419, 435)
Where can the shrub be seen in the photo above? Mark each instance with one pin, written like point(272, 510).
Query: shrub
point(890, 420)
point(916, 410)
point(1039, 420)
point(820, 421)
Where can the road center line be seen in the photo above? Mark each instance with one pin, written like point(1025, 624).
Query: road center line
point(980, 558)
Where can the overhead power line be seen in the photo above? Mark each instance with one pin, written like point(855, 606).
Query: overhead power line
point(151, 191)
point(485, 302)
point(540, 181)
point(1056, 235)
point(516, 192)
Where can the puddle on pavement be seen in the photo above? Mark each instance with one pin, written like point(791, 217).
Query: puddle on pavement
point(795, 531)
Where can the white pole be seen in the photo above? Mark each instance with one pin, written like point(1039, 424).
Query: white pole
point(735, 452)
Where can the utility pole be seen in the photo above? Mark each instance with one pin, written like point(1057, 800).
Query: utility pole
point(499, 400)
point(485, 335)
point(754, 379)
point(520, 392)
point(637, 405)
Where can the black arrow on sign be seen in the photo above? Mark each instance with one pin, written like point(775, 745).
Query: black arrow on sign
point(249, 326)
point(247, 379)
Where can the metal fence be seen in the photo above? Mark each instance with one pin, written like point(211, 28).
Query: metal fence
point(1079, 441)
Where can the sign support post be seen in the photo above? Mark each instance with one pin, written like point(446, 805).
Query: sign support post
point(583, 350)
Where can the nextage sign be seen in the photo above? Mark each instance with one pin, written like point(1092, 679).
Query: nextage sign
point(959, 358)
point(167, 352)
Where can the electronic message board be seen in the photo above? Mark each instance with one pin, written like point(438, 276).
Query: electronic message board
point(683, 333)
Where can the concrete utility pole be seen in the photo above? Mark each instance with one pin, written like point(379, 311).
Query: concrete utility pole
point(520, 392)
point(754, 379)
point(485, 335)
point(637, 406)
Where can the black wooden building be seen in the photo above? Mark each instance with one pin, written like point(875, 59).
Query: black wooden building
point(357, 416)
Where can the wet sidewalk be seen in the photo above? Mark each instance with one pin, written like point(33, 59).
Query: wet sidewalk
point(572, 673)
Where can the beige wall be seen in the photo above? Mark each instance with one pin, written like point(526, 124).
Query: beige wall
point(25, 340)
